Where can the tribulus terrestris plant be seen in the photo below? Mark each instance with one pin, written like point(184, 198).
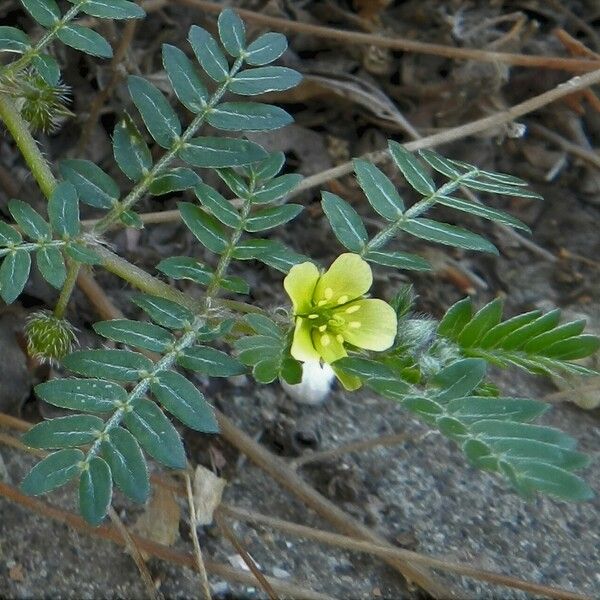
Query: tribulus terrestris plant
point(120, 397)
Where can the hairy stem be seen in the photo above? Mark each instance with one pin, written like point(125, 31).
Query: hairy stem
point(67, 289)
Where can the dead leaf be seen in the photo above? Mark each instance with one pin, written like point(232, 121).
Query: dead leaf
point(160, 521)
point(208, 490)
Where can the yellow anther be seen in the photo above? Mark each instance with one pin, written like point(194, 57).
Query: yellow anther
point(353, 309)
point(354, 324)
point(323, 328)
point(321, 302)
point(328, 293)
point(313, 316)
point(340, 338)
point(343, 299)
point(325, 340)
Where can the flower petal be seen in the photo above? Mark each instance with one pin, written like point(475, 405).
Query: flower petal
point(299, 284)
point(329, 347)
point(370, 324)
point(348, 278)
point(302, 346)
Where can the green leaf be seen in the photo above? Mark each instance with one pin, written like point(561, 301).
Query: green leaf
point(496, 334)
point(111, 9)
point(398, 260)
point(263, 325)
point(63, 210)
point(261, 80)
point(209, 361)
point(456, 317)
point(9, 236)
point(47, 68)
point(412, 168)
point(14, 273)
point(450, 235)
point(136, 333)
point(379, 190)
point(235, 182)
point(345, 222)
point(217, 205)
point(158, 115)
point(532, 329)
point(95, 490)
point(256, 348)
point(266, 371)
point(265, 49)
point(271, 252)
point(477, 408)
point(242, 116)
point(365, 368)
point(217, 153)
point(183, 400)
point(269, 167)
point(156, 434)
point(272, 217)
point(459, 378)
point(121, 365)
point(83, 254)
point(45, 12)
point(491, 430)
point(486, 318)
point(232, 32)
point(184, 79)
point(275, 189)
point(87, 395)
point(13, 40)
point(562, 332)
point(164, 312)
point(175, 180)
point(84, 39)
point(127, 464)
point(54, 471)
point(29, 220)
point(426, 409)
point(440, 164)
point(93, 185)
point(185, 267)
point(205, 227)
point(208, 53)
point(130, 150)
point(130, 218)
point(51, 265)
point(492, 187)
point(480, 210)
point(574, 348)
point(64, 432)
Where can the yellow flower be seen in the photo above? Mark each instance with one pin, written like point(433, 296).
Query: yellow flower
point(330, 311)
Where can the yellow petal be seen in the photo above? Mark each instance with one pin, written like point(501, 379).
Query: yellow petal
point(370, 324)
point(348, 278)
point(302, 344)
point(300, 286)
point(328, 346)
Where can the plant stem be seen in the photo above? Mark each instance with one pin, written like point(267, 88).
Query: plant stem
point(67, 289)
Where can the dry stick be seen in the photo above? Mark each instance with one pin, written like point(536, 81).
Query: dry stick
point(228, 533)
point(334, 539)
point(437, 139)
point(161, 551)
point(197, 551)
point(397, 43)
point(348, 543)
point(382, 440)
point(135, 553)
point(292, 482)
point(115, 78)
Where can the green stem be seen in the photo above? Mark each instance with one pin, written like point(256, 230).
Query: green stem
point(67, 289)
point(416, 210)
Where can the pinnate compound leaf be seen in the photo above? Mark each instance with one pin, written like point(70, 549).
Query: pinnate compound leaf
point(272, 217)
point(208, 53)
point(136, 333)
point(93, 185)
point(243, 116)
point(84, 39)
point(9, 236)
point(486, 318)
point(475, 208)
point(183, 400)
point(51, 265)
point(267, 168)
point(130, 150)
point(379, 190)
point(218, 205)
point(398, 260)
point(232, 32)
point(14, 273)
point(156, 434)
point(205, 227)
point(174, 180)
point(261, 80)
point(13, 40)
point(185, 267)
point(52, 472)
point(345, 222)
point(265, 49)
point(471, 409)
point(87, 395)
point(121, 365)
point(459, 378)
point(158, 115)
point(184, 79)
point(164, 312)
point(63, 210)
point(64, 432)
point(30, 221)
point(263, 325)
point(45, 12)
point(414, 171)
point(127, 464)
point(275, 189)
point(112, 9)
point(95, 491)
point(209, 361)
point(218, 153)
